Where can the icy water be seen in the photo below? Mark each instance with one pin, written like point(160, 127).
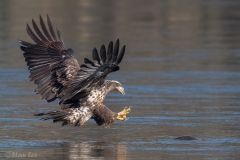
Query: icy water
point(181, 74)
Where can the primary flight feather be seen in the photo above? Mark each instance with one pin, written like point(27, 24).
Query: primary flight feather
point(80, 89)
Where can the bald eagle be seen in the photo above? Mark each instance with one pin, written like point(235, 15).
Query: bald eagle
point(80, 89)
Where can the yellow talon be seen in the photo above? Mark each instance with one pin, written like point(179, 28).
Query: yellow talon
point(122, 115)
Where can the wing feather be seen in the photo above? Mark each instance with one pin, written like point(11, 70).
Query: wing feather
point(59, 36)
point(33, 36)
point(95, 55)
point(115, 51)
point(110, 51)
point(51, 28)
point(120, 56)
point(93, 74)
point(51, 66)
point(56, 71)
point(45, 31)
point(103, 54)
point(39, 33)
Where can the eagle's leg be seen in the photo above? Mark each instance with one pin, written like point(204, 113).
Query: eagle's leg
point(122, 116)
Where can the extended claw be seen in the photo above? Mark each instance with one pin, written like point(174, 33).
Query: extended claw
point(122, 115)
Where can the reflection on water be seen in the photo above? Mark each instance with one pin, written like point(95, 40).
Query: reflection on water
point(181, 74)
point(99, 150)
point(80, 150)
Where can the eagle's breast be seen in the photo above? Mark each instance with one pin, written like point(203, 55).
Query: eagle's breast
point(96, 96)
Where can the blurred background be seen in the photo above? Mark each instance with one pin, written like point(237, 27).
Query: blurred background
point(181, 74)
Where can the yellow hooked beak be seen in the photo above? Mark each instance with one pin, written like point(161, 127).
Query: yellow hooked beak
point(121, 89)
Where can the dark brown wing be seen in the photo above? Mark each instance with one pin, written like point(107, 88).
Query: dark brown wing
point(52, 67)
point(56, 71)
point(92, 74)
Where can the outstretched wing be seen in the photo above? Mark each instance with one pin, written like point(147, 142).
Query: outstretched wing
point(56, 71)
point(92, 74)
point(52, 67)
